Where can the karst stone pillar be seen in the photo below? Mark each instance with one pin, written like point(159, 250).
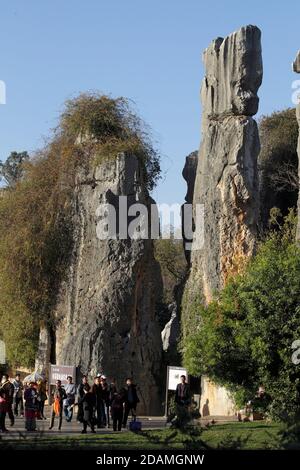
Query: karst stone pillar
point(105, 317)
point(227, 177)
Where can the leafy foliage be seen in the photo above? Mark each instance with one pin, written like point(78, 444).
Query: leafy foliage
point(278, 161)
point(110, 127)
point(246, 333)
point(289, 436)
point(12, 169)
point(170, 255)
point(181, 417)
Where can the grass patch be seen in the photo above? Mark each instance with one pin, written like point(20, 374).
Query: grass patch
point(226, 436)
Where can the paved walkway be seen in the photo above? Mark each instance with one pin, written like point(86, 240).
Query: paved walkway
point(73, 428)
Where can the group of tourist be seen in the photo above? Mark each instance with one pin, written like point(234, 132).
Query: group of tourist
point(96, 403)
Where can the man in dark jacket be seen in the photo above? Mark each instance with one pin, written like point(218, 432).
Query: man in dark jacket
point(131, 400)
point(99, 402)
point(183, 394)
point(18, 395)
point(88, 403)
point(59, 395)
point(80, 395)
point(8, 390)
point(117, 401)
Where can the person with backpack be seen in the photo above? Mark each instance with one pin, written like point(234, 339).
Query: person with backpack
point(131, 401)
point(58, 397)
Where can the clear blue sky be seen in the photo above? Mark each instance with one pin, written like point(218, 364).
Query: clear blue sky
point(149, 51)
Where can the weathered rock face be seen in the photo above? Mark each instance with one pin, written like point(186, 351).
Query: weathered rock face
point(296, 68)
point(171, 332)
point(227, 179)
point(189, 174)
point(296, 63)
point(43, 355)
point(105, 316)
point(233, 74)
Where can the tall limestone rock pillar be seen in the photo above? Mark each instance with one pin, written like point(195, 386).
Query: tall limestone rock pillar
point(189, 174)
point(296, 68)
point(227, 178)
point(105, 318)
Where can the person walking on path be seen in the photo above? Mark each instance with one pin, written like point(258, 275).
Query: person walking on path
point(117, 405)
point(88, 403)
point(9, 389)
point(80, 395)
point(58, 396)
point(69, 401)
point(131, 400)
point(31, 406)
point(183, 394)
point(18, 395)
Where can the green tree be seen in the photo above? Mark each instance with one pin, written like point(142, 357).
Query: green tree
point(13, 168)
point(245, 335)
point(169, 253)
point(278, 162)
